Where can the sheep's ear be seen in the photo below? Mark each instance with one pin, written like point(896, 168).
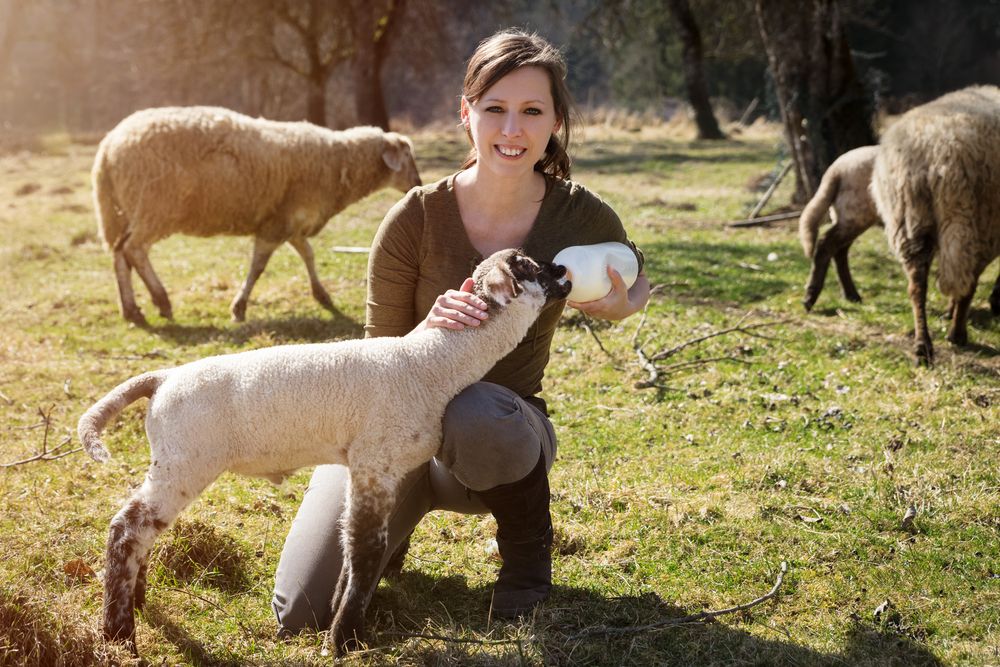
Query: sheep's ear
point(501, 285)
point(394, 154)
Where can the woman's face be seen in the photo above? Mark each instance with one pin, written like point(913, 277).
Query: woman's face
point(512, 122)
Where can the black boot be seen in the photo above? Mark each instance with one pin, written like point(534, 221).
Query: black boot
point(524, 537)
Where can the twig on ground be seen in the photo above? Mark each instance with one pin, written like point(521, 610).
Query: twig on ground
point(6, 399)
point(683, 620)
point(770, 190)
point(247, 631)
point(46, 454)
point(585, 323)
point(648, 361)
point(453, 640)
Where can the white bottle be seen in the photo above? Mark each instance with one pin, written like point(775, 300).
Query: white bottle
point(587, 267)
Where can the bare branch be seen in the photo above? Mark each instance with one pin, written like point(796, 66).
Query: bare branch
point(659, 356)
point(701, 616)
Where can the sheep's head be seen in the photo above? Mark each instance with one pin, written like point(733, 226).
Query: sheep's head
point(509, 274)
point(398, 156)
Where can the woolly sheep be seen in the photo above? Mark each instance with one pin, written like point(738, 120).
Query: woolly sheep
point(207, 171)
point(936, 184)
point(844, 192)
point(374, 405)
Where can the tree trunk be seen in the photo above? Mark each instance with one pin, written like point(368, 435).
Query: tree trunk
point(316, 100)
point(371, 45)
point(694, 72)
point(824, 107)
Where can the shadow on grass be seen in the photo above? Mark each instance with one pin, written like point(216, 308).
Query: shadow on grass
point(442, 620)
point(280, 330)
point(558, 631)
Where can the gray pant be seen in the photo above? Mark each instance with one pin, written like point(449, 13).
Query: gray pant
point(491, 436)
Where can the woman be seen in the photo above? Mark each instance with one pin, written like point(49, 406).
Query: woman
point(498, 443)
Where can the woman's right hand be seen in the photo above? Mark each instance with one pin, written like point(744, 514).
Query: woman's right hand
point(456, 309)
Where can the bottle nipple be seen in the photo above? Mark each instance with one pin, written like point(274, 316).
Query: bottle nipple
point(587, 268)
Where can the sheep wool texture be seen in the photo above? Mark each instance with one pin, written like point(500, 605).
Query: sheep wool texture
point(844, 192)
point(206, 171)
point(937, 181)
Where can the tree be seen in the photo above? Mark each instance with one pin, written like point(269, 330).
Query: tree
point(694, 71)
point(310, 38)
point(824, 107)
point(374, 29)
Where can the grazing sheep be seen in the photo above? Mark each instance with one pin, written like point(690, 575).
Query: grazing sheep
point(374, 405)
point(844, 192)
point(936, 184)
point(207, 171)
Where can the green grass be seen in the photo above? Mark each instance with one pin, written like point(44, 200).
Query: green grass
point(804, 442)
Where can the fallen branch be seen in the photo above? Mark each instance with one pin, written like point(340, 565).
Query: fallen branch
point(770, 190)
point(756, 222)
point(700, 617)
point(453, 640)
point(46, 454)
point(648, 362)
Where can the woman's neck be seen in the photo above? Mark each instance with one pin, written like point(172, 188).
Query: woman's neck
point(496, 212)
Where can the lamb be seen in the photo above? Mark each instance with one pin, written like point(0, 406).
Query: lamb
point(844, 192)
point(936, 184)
point(374, 405)
point(207, 171)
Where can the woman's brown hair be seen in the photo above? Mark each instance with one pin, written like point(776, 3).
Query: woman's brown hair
point(501, 54)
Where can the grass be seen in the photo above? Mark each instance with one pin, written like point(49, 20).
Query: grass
point(805, 442)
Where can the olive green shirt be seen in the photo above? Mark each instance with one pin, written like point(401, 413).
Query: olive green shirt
point(421, 250)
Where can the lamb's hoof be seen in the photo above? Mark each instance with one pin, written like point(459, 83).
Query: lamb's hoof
point(995, 303)
point(239, 312)
point(809, 301)
point(122, 634)
point(167, 313)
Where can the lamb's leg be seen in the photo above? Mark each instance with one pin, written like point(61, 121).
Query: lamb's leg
point(917, 270)
point(133, 530)
point(262, 250)
point(126, 297)
point(365, 536)
point(305, 251)
point(139, 259)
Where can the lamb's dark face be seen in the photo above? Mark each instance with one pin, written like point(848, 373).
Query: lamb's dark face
point(506, 274)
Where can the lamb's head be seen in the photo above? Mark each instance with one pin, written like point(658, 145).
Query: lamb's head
point(510, 274)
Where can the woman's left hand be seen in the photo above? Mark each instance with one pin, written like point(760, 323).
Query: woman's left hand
point(620, 302)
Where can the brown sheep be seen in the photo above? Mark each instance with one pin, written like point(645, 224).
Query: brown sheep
point(936, 185)
point(207, 171)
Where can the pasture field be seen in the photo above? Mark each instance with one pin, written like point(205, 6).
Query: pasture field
point(803, 440)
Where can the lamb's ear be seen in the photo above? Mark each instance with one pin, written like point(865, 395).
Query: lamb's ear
point(394, 154)
point(501, 285)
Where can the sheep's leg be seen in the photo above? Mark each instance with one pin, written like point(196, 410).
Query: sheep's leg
point(958, 332)
point(139, 259)
point(126, 297)
point(262, 250)
point(133, 530)
point(305, 251)
point(365, 538)
point(917, 269)
point(834, 244)
point(847, 287)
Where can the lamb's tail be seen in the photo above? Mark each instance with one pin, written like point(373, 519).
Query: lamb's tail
point(111, 220)
point(814, 212)
point(93, 420)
